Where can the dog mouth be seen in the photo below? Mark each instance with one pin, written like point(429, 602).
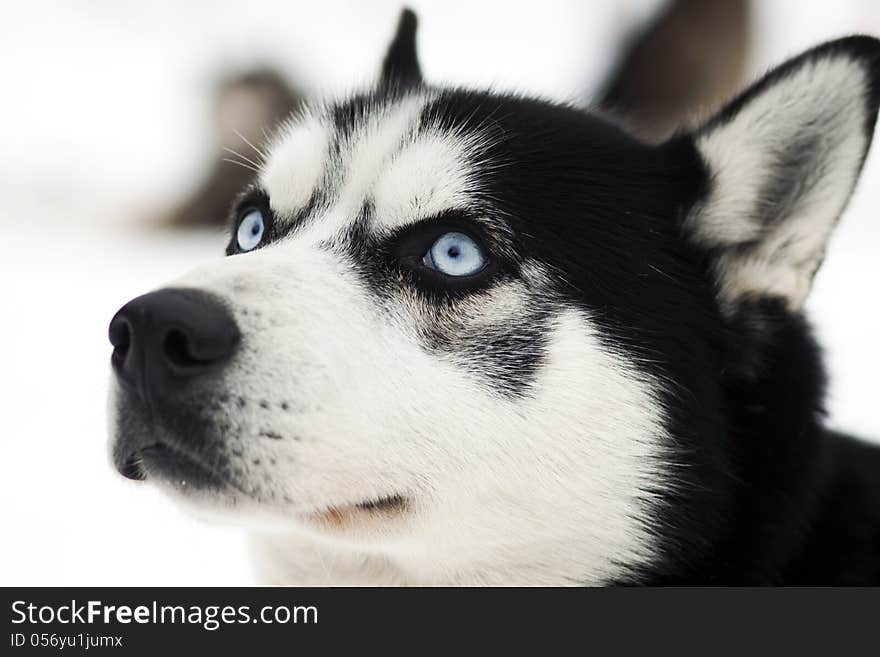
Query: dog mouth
point(162, 461)
point(182, 470)
point(385, 508)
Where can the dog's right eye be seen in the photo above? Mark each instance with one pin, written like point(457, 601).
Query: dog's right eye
point(250, 230)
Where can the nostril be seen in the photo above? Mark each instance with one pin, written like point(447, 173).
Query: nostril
point(178, 350)
point(182, 352)
point(120, 338)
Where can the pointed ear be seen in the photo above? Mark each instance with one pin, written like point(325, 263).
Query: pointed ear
point(400, 68)
point(782, 160)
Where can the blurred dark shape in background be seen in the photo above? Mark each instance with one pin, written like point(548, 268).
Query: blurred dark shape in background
point(247, 108)
point(691, 57)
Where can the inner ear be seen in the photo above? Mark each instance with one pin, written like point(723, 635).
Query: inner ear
point(400, 68)
point(782, 161)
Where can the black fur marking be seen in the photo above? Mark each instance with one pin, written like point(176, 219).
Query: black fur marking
point(510, 356)
point(789, 480)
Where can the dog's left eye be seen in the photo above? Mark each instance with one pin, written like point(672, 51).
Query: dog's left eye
point(455, 254)
point(250, 230)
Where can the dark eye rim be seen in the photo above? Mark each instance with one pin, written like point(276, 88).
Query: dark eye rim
point(247, 202)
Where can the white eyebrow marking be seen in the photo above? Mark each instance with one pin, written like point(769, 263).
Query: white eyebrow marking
point(408, 171)
point(363, 156)
point(296, 164)
point(372, 146)
point(430, 175)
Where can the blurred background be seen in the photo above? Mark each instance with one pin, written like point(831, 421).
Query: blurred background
point(115, 117)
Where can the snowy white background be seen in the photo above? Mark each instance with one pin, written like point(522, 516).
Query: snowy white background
point(104, 125)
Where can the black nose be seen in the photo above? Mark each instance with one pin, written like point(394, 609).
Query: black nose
point(165, 338)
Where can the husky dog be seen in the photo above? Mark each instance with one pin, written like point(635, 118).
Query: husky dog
point(480, 339)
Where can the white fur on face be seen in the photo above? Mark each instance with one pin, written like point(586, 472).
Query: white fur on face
point(295, 170)
point(782, 169)
point(335, 396)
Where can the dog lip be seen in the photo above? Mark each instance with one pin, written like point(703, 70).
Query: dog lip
point(386, 506)
point(386, 503)
point(167, 462)
point(132, 468)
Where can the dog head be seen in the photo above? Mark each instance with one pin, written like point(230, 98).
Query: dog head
point(475, 331)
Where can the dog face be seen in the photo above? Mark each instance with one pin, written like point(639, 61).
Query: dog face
point(476, 332)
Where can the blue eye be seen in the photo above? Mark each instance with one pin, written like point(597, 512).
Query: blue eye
point(455, 254)
point(250, 230)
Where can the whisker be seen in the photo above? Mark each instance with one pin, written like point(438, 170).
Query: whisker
point(248, 142)
point(243, 157)
point(241, 164)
